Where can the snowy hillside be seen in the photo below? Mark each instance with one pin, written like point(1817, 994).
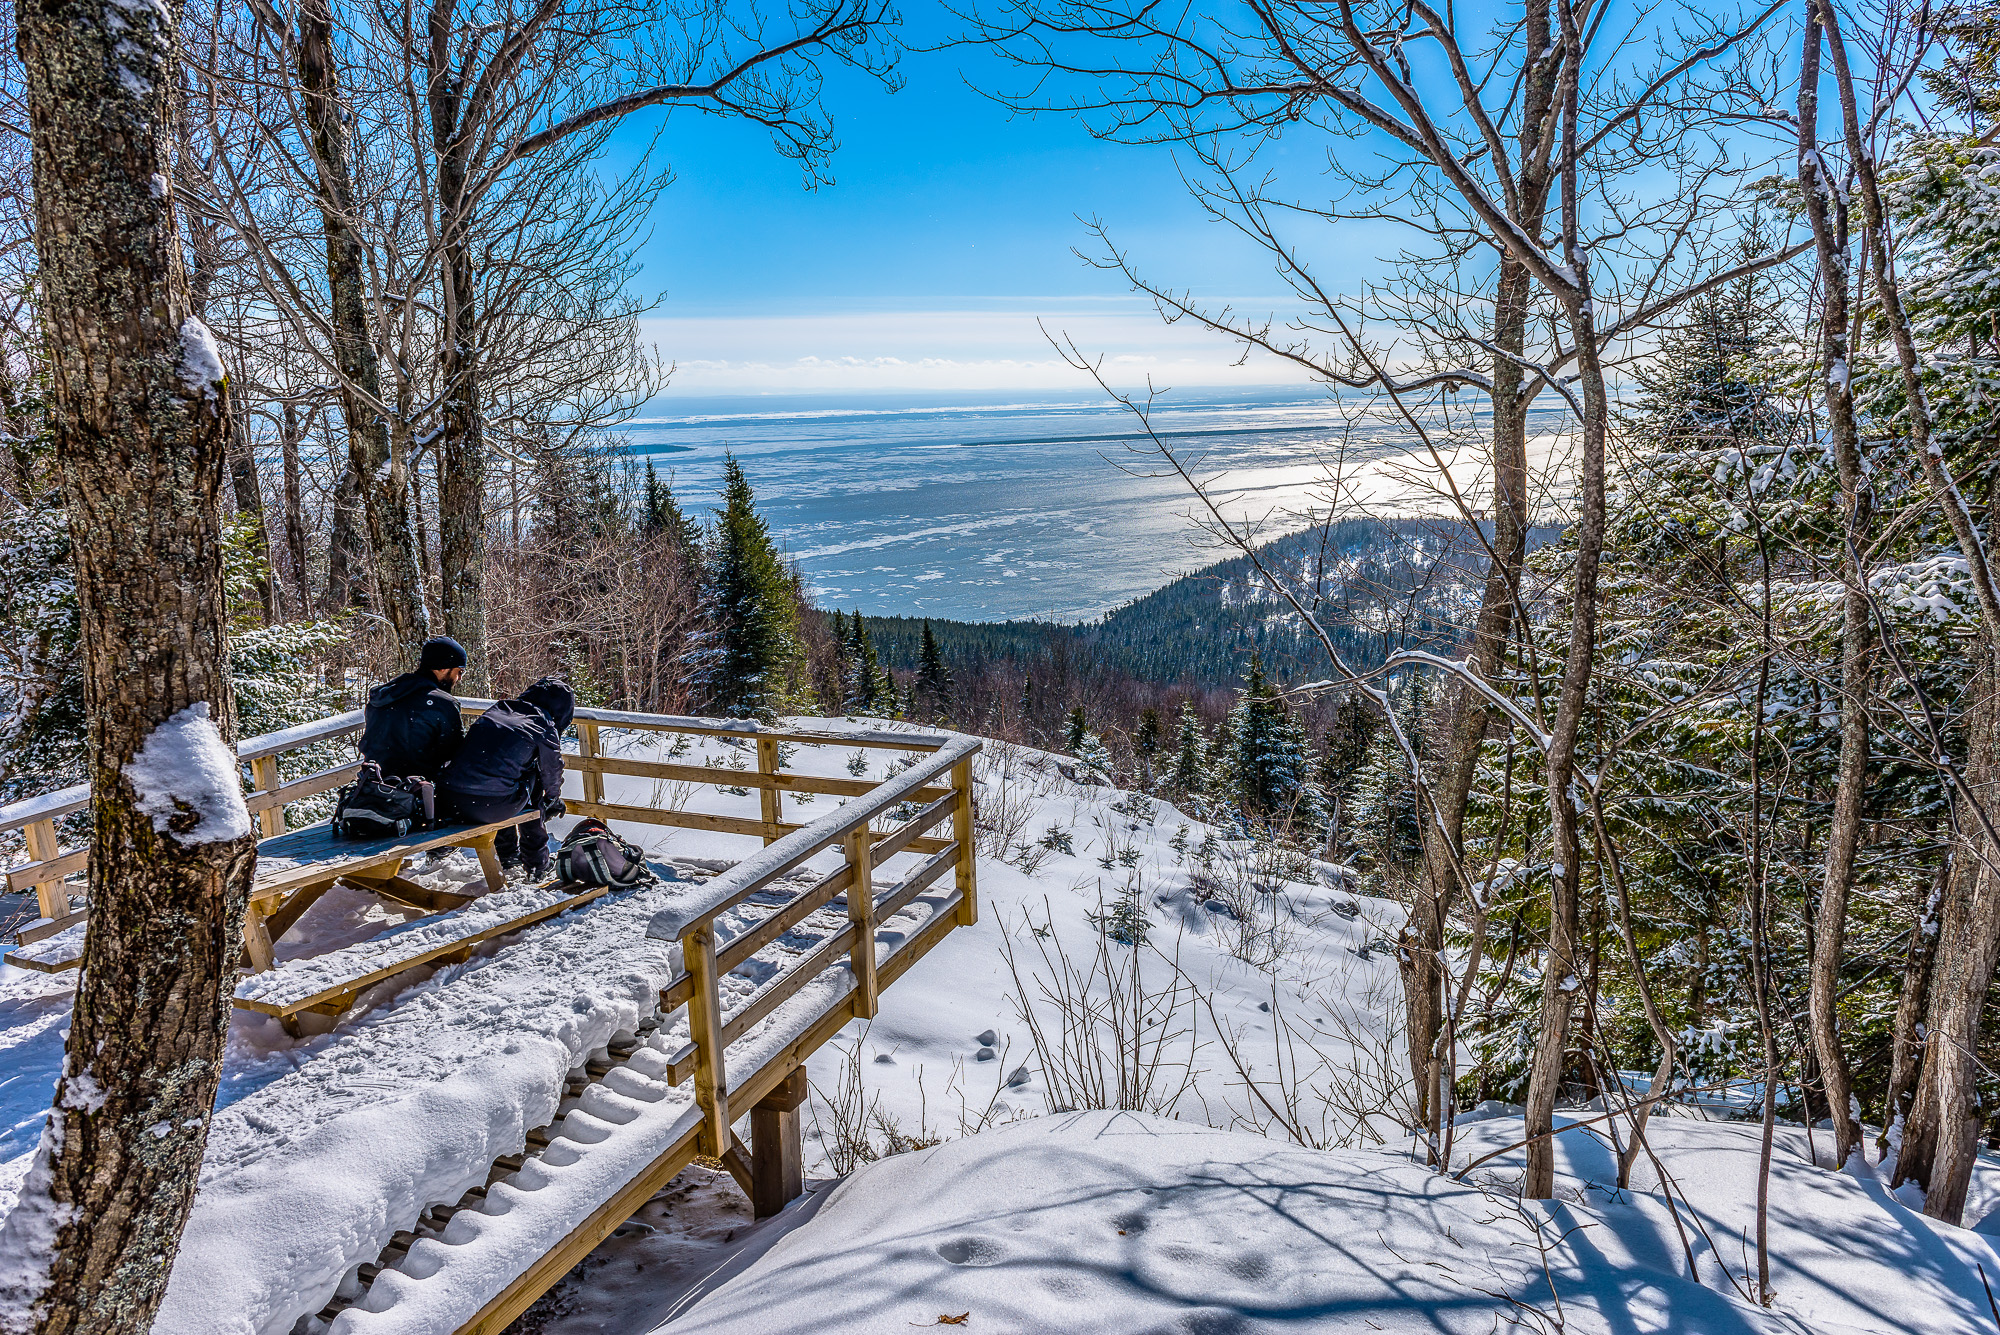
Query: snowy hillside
point(1255, 989)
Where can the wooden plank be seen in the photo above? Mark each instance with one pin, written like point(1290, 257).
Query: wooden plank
point(711, 1090)
point(50, 897)
point(264, 773)
point(861, 913)
point(312, 785)
point(324, 857)
point(257, 944)
point(964, 836)
point(737, 1160)
point(37, 875)
point(593, 779)
point(406, 891)
point(777, 1159)
point(916, 946)
point(48, 927)
point(813, 898)
point(519, 1295)
point(362, 981)
point(292, 909)
point(708, 774)
point(686, 820)
point(487, 846)
point(301, 735)
point(46, 966)
point(908, 832)
point(808, 967)
point(767, 796)
point(915, 883)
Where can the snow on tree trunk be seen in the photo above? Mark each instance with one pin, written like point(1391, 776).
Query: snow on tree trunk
point(141, 429)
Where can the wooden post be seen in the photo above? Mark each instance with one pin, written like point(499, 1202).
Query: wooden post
point(767, 763)
point(962, 835)
point(777, 1160)
point(50, 896)
point(489, 861)
point(586, 744)
point(257, 938)
point(264, 772)
point(711, 1090)
point(861, 912)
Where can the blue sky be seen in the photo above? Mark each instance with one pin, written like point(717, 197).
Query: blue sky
point(947, 232)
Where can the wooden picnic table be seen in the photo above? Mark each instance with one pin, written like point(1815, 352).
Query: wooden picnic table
point(320, 859)
point(310, 862)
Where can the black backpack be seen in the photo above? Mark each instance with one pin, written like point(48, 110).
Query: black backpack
point(593, 855)
point(377, 806)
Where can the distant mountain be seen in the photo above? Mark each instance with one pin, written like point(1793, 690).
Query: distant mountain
point(1374, 585)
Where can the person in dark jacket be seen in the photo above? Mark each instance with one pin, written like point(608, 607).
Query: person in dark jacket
point(511, 762)
point(411, 725)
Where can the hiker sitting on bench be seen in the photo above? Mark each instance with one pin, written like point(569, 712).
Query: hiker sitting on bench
point(512, 762)
point(411, 726)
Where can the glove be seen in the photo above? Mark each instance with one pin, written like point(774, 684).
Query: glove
point(554, 807)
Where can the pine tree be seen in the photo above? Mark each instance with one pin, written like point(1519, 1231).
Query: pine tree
point(1079, 728)
point(1272, 771)
point(870, 690)
point(660, 513)
point(933, 686)
point(1347, 742)
point(1190, 755)
point(1146, 741)
point(759, 648)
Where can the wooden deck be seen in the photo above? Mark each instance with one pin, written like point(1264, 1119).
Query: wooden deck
point(933, 796)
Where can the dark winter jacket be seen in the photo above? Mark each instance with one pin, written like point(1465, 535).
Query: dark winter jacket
point(411, 726)
point(514, 749)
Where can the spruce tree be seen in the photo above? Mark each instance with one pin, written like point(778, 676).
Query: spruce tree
point(1272, 771)
point(1079, 729)
point(933, 686)
point(661, 514)
point(1146, 741)
point(758, 645)
point(1190, 755)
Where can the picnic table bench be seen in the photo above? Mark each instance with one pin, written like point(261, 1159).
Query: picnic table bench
point(296, 868)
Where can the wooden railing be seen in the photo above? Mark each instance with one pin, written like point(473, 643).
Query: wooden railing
point(772, 1090)
point(933, 790)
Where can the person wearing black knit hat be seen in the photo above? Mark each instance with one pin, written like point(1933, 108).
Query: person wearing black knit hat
point(411, 726)
point(512, 761)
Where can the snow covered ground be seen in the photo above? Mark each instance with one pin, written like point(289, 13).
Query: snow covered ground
point(1120, 1223)
point(325, 1147)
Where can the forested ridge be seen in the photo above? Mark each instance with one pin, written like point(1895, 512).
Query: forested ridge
point(1375, 584)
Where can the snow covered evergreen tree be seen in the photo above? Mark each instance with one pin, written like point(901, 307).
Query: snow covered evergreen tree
point(1271, 767)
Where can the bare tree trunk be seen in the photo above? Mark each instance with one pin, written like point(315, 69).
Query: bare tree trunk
point(141, 433)
point(1905, 1048)
point(1941, 1136)
point(295, 521)
point(1562, 976)
point(347, 583)
point(1941, 1139)
point(1826, 209)
point(377, 468)
point(248, 495)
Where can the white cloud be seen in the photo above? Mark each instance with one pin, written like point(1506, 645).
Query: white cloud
point(947, 349)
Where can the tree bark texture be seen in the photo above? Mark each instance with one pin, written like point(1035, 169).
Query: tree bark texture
point(377, 468)
point(141, 434)
point(1941, 1137)
point(462, 443)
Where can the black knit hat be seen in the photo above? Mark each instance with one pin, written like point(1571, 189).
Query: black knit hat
point(441, 652)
